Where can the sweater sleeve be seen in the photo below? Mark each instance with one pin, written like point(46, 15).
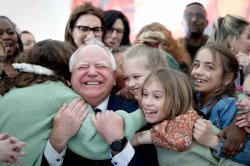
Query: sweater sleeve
point(175, 134)
point(88, 143)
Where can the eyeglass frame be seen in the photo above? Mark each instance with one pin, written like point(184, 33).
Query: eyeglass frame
point(189, 16)
point(119, 31)
point(88, 29)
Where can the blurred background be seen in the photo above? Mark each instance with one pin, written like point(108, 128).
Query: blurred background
point(47, 18)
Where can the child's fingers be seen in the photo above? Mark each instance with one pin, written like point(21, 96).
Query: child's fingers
point(242, 123)
point(245, 124)
point(244, 116)
point(201, 124)
point(13, 140)
point(4, 136)
point(247, 129)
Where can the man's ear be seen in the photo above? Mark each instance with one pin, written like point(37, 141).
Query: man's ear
point(206, 23)
point(228, 79)
point(69, 84)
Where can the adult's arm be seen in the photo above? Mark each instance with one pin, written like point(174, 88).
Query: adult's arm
point(89, 144)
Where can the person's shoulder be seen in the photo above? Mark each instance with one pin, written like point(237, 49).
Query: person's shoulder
point(120, 103)
point(228, 99)
point(226, 103)
point(58, 90)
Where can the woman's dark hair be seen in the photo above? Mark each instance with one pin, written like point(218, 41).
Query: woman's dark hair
point(111, 16)
point(51, 54)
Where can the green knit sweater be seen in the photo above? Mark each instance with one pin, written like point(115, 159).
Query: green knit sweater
point(27, 114)
point(197, 155)
point(171, 62)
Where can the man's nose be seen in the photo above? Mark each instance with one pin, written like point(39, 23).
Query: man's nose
point(194, 18)
point(92, 70)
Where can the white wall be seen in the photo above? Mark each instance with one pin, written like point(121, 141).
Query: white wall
point(46, 19)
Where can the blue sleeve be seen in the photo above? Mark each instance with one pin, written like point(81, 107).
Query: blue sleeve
point(218, 152)
point(227, 112)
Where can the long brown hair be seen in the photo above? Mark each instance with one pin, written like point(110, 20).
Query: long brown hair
point(51, 54)
point(229, 64)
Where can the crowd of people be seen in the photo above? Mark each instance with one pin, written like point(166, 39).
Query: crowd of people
point(99, 99)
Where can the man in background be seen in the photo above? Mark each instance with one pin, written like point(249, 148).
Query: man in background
point(195, 21)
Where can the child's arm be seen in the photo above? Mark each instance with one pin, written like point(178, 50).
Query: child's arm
point(203, 134)
point(175, 134)
point(143, 137)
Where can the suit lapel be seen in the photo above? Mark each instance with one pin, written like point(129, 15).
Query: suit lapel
point(114, 102)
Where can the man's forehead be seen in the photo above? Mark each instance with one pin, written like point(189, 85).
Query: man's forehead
point(93, 50)
point(93, 53)
point(195, 8)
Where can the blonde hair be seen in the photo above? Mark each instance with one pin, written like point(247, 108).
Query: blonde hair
point(148, 47)
point(247, 71)
point(177, 88)
point(168, 43)
point(228, 26)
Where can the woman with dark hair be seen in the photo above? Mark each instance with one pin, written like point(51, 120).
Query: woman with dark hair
point(118, 29)
point(84, 23)
point(11, 46)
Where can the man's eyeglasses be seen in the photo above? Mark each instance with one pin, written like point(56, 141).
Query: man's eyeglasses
point(189, 16)
point(85, 30)
point(119, 31)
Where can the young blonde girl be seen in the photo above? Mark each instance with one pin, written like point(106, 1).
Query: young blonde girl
point(166, 100)
point(214, 72)
point(143, 57)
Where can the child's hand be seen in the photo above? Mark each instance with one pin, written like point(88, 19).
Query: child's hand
point(10, 149)
point(203, 134)
point(244, 121)
point(243, 60)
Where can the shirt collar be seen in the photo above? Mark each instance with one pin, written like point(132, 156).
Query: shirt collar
point(104, 105)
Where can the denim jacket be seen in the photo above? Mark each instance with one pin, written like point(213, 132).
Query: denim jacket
point(222, 113)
